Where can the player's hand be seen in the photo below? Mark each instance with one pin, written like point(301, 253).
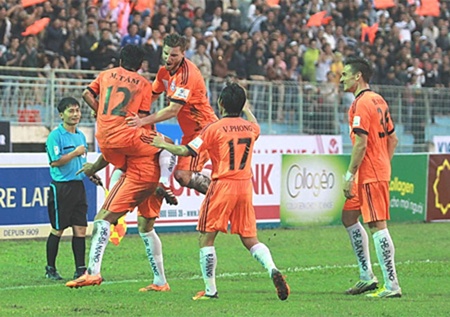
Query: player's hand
point(96, 180)
point(348, 189)
point(158, 141)
point(88, 170)
point(93, 114)
point(134, 121)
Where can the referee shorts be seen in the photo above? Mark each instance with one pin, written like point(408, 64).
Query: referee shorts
point(67, 205)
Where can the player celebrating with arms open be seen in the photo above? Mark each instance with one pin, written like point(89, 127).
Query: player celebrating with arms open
point(186, 90)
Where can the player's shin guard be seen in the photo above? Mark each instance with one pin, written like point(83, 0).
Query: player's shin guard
point(100, 237)
point(208, 263)
point(360, 243)
point(385, 252)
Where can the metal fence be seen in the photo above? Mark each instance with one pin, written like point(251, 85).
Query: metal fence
point(28, 97)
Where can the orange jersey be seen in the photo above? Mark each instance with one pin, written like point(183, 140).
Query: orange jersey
point(120, 93)
point(369, 115)
point(229, 143)
point(187, 87)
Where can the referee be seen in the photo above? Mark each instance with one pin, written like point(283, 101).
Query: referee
point(67, 206)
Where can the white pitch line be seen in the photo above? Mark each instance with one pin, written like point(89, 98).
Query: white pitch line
point(236, 274)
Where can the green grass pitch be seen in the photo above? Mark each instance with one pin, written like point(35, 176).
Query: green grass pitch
point(317, 261)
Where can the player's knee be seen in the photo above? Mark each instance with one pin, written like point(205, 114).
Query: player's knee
point(182, 177)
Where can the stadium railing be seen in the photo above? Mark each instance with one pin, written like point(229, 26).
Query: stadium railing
point(28, 97)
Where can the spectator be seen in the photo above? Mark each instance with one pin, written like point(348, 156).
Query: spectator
point(202, 61)
point(132, 37)
point(310, 58)
point(153, 51)
point(5, 26)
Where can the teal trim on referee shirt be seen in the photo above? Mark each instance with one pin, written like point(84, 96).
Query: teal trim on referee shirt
point(56, 206)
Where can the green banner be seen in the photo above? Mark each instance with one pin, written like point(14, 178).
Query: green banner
point(311, 189)
point(408, 187)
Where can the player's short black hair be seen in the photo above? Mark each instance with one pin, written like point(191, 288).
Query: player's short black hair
point(67, 102)
point(360, 64)
point(175, 40)
point(233, 99)
point(131, 57)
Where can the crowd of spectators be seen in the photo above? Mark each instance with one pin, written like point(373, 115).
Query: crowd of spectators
point(246, 39)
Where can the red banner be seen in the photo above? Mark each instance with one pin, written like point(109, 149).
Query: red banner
point(438, 201)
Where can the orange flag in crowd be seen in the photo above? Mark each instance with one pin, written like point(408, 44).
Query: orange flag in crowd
point(429, 7)
point(383, 4)
point(272, 3)
point(318, 19)
point(369, 31)
point(29, 3)
point(36, 27)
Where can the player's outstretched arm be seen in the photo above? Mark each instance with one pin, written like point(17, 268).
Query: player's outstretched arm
point(179, 150)
point(162, 115)
point(89, 169)
point(90, 100)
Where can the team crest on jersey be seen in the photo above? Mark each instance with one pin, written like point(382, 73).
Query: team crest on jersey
point(182, 93)
point(196, 143)
point(56, 150)
point(356, 121)
point(172, 86)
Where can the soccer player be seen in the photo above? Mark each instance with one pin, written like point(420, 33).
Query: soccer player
point(67, 206)
point(367, 180)
point(120, 91)
point(229, 143)
point(188, 101)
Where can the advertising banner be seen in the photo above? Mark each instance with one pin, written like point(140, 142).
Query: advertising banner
point(438, 206)
point(441, 144)
point(408, 187)
point(311, 189)
point(24, 184)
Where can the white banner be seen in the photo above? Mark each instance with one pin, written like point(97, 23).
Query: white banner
point(298, 144)
point(441, 144)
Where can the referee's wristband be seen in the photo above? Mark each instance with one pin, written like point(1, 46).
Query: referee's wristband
point(349, 176)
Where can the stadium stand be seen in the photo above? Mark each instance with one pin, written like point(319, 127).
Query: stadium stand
point(289, 59)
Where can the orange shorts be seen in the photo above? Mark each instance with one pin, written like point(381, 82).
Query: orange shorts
point(139, 159)
point(373, 200)
point(228, 201)
point(191, 163)
point(151, 207)
point(127, 194)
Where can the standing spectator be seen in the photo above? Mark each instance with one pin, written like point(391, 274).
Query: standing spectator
point(257, 73)
point(232, 15)
point(56, 35)
point(67, 206)
point(153, 51)
point(366, 186)
point(86, 42)
point(5, 26)
point(310, 59)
